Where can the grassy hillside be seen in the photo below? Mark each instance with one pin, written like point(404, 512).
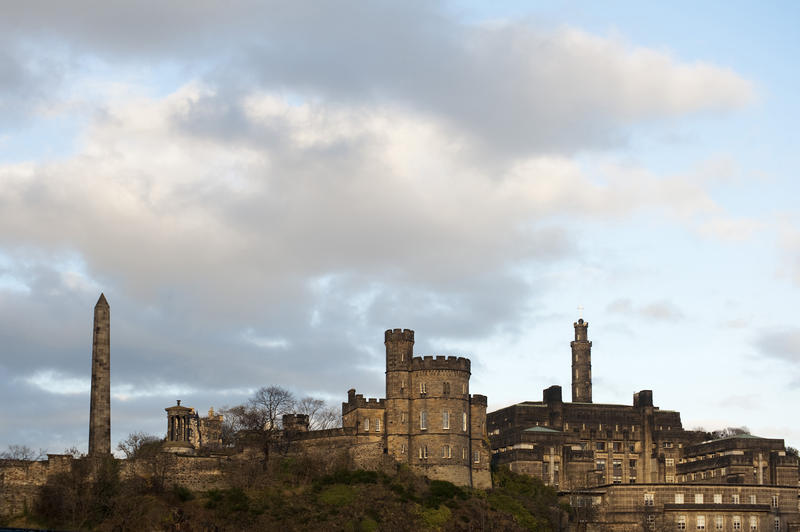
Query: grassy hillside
point(290, 497)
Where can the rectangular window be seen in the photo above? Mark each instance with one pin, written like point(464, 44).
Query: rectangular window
point(670, 479)
point(463, 453)
point(698, 498)
point(464, 421)
point(463, 388)
point(423, 420)
point(651, 522)
point(366, 425)
point(681, 522)
point(701, 522)
point(423, 388)
point(600, 445)
point(403, 449)
point(718, 522)
point(753, 522)
point(777, 523)
point(717, 498)
point(445, 419)
point(632, 464)
point(669, 462)
point(476, 457)
point(679, 498)
point(774, 501)
point(377, 425)
point(600, 465)
point(402, 417)
point(737, 522)
point(617, 446)
point(735, 498)
point(446, 451)
point(667, 445)
point(752, 499)
point(402, 385)
point(446, 388)
point(649, 499)
point(424, 451)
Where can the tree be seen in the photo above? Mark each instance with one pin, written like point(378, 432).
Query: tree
point(23, 452)
point(727, 432)
point(139, 444)
point(320, 415)
point(269, 404)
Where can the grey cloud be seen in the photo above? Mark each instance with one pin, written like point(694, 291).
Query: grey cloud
point(657, 310)
point(511, 87)
point(781, 344)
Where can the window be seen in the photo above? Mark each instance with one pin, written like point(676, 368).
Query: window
point(464, 421)
point(377, 425)
point(718, 522)
point(681, 522)
point(402, 417)
point(617, 446)
point(753, 522)
point(735, 498)
point(423, 388)
point(445, 419)
point(463, 388)
point(777, 523)
point(737, 522)
point(601, 464)
point(600, 446)
point(649, 499)
point(446, 453)
point(679, 498)
point(752, 499)
point(402, 385)
point(423, 420)
point(632, 464)
point(669, 462)
point(670, 479)
point(463, 453)
point(423, 452)
point(651, 522)
point(698, 498)
point(774, 501)
point(667, 445)
point(717, 498)
point(476, 457)
point(403, 449)
point(701, 522)
point(446, 388)
point(366, 425)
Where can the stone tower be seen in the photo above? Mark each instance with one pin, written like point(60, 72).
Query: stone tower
point(100, 406)
point(581, 364)
point(399, 352)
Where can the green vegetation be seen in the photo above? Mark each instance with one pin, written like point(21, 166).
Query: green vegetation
point(293, 495)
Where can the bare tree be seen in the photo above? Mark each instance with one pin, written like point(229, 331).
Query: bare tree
point(320, 414)
point(22, 452)
point(727, 432)
point(138, 444)
point(269, 404)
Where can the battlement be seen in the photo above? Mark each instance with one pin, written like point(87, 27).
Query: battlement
point(398, 335)
point(440, 362)
point(355, 400)
point(477, 399)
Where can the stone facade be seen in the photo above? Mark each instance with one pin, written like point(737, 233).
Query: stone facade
point(662, 507)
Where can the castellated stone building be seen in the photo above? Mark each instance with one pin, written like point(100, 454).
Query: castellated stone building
point(428, 420)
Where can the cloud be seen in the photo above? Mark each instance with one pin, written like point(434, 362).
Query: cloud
point(509, 87)
point(783, 344)
point(657, 310)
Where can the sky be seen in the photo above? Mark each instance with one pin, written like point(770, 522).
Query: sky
point(260, 189)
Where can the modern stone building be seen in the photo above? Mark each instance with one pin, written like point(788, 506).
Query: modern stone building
point(635, 467)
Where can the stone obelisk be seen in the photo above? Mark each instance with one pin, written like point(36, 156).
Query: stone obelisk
point(100, 406)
